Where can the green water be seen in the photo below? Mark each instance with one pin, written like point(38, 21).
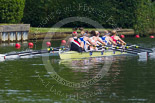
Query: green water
point(28, 80)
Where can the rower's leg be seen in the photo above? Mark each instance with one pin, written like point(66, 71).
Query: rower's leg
point(91, 48)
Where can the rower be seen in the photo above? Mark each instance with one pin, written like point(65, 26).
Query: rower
point(85, 40)
point(107, 39)
point(95, 38)
point(74, 42)
point(116, 38)
point(98, 35)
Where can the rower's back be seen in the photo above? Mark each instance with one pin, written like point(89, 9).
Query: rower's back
point(93, 37)
point(75, 43)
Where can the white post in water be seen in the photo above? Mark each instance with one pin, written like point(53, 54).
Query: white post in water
point(5, 36)
point(25, 35)
point(13, 36)
point(19, 36)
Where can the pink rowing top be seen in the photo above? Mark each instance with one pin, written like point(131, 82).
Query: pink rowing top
point(112, 37)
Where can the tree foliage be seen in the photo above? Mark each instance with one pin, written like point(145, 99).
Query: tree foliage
point(152, 16)
point(136, 14)
point(11, 11)
point(143, 17)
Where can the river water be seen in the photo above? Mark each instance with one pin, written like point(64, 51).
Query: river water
point(122, 79)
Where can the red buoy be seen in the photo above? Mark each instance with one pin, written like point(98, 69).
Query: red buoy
point(122, 36)
point(48, 44)
point(137, 36)
point(17, 46)
point(152, 37)
point(30, 45)
point(63, 42)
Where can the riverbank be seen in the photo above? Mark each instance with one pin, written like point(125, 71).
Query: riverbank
point(58, 33)
point(38, 33)
point(47, 30)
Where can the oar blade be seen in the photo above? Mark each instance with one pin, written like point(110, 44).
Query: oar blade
point(143, 56)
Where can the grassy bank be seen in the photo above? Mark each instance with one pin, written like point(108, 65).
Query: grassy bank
point(6, 24)
point(39, 30)
point(45, 30)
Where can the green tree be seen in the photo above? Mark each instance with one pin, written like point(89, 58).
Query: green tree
point(125, 13)
point(136, 14)
point(142, 17)
point(152, 17)
point(11, 11)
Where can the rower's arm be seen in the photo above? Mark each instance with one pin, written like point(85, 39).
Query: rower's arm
point(121, 40)
point(112, 41)
point(101, 41)
point(68, 42)
point(79, 40)
point(89, 40)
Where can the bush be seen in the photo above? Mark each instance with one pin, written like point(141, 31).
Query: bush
point(11, 11)
point(143, 17)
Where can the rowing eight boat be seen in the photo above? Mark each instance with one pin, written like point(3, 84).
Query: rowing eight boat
point(112, 51)
point(66, 54)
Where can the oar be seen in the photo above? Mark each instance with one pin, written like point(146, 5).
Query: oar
point(57, 48)
point(37, 51)
point(31, 52)
point(135, 49)
point(130, 52)
point(49, 50)
point(27, 53)
point(116, 48)
point(140, 51)
point(141, 48)
point(142, 55)
point(123, 49)
point(128, 48)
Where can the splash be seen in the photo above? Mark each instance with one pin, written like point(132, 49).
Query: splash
point(1, 57)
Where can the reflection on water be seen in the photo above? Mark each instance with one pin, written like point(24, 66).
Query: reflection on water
point(88, 62)
point(83, 65)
